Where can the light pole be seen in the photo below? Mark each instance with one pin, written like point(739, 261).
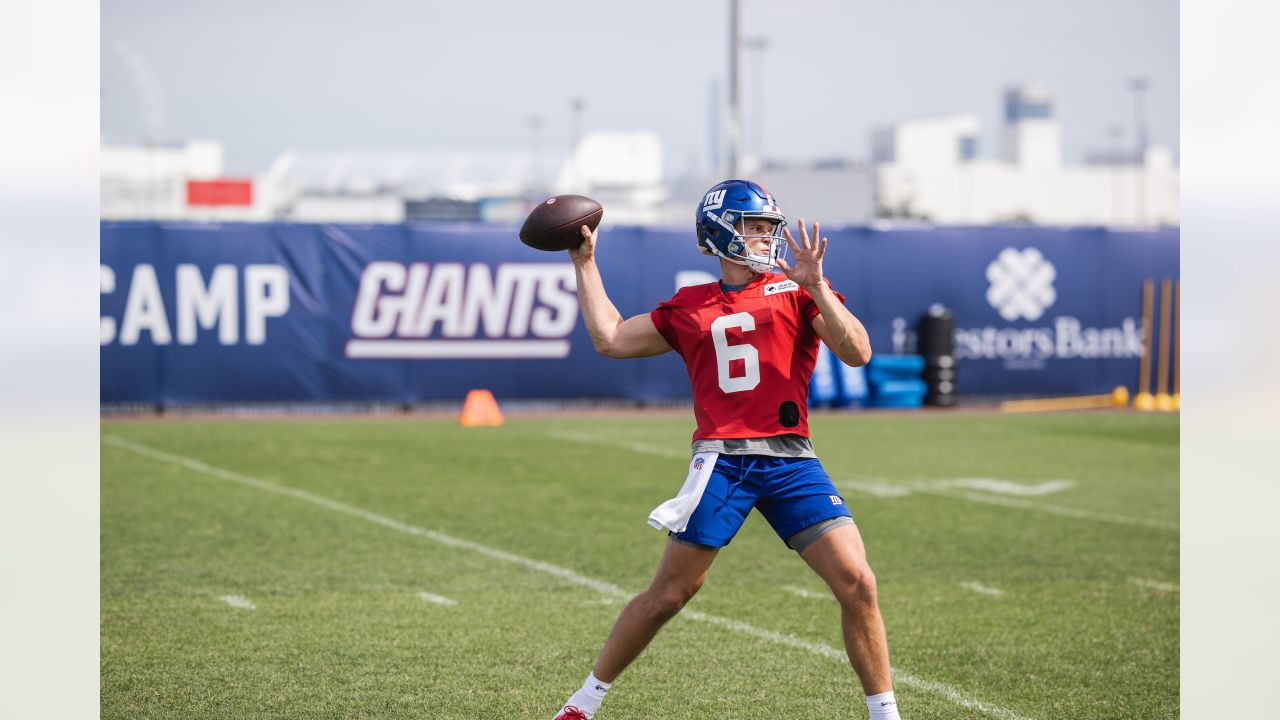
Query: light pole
point(757, 46)
point(1115, 133)
point(735, 102)
point(716, 149)
point(535, 155)
point(144, 79)
point(1139, 85)
point(576, 106)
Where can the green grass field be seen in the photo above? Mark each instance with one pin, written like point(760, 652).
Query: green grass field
point(1027, 565)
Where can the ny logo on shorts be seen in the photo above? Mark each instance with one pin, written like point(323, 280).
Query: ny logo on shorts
point(836, 500)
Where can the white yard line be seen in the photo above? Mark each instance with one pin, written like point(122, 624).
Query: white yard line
point(605, 588)
point(878, 488)
point(643, 448)
point(827, 651)
point(1154, 585)
point(437, 599)
point(1061, 510)
point(882, 487)
point(978, 587)
point(383, 520)
point(809, 594)
point(236, 601)
point(1009, 487)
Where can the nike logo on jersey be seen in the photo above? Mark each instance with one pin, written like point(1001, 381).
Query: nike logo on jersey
point(781, 287)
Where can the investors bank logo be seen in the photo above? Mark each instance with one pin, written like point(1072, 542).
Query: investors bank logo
point(1020, 287)
point(1021, 284)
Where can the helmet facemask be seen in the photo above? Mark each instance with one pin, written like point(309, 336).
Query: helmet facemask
point(739, 202)
point(738, 249)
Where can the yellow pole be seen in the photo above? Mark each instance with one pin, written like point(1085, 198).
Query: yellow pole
point(1117, 398)
point(1143, 400)
point(1177, 344)
point(1164, 401)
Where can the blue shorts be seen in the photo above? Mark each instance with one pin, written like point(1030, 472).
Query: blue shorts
point(792, 494)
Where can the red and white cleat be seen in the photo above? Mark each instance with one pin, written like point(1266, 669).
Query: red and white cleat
point(572, 713)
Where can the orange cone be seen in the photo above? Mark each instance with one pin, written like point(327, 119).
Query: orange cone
point(480, 410)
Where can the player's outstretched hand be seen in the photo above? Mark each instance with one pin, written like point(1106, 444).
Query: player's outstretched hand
point(808, 268)
point(587, 250)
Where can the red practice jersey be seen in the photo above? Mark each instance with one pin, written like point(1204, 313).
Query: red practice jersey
point(749, 354)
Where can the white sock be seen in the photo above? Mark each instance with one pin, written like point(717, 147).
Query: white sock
point(589, 697)
point(883, 706)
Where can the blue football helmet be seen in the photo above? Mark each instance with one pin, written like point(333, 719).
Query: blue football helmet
point(717, 221)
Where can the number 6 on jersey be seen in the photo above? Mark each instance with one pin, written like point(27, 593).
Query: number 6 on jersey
point(726, 353)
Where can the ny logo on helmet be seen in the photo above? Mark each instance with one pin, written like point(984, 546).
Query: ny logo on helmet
point(714, 200)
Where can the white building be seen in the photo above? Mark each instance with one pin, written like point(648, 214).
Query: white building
point(394, 186)
point(625, 171)
point(188, 183)
point(178, 182)
point(925, 169)
point(175, 183)
point(929, 169)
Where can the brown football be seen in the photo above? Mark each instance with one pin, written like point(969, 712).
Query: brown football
point(554, 224)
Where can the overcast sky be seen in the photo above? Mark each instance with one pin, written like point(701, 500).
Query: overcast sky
point(263, 76)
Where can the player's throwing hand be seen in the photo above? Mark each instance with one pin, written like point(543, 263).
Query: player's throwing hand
point(808, 269)
point(587, 250)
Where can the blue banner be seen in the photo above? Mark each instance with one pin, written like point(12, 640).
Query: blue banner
point(196, 313)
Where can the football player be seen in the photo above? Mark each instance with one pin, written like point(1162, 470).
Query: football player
point(749, 341)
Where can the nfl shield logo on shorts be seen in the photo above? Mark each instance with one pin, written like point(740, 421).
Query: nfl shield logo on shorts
point(697, 463)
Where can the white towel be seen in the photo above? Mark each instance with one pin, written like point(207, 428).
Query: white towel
point(674, 514)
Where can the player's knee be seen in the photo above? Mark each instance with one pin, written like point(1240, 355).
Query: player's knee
point(858, 587)
point(664, 606)
point(668, 600)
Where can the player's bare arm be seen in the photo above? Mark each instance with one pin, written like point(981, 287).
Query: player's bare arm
point(838, 328)
point(635, 337)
